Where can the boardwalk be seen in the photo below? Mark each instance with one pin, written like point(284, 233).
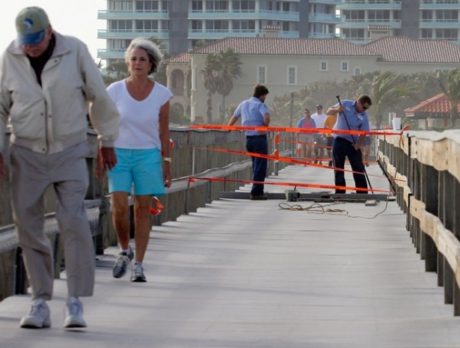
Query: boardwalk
point(241, 273)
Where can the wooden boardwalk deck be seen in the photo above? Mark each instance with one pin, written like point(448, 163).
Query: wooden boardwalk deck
point(242, 273)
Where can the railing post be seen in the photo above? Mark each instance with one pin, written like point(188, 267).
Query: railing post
point(440, 258)
point(102, 224)
point(448, 221)
point(416, 191)
point(57, 254)
point(276, 152)
point(187, 194)
point(456, 231)
point(430, 197)
point(209, 191)
point(19, 274)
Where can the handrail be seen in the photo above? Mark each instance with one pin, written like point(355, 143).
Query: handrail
point(426, 165)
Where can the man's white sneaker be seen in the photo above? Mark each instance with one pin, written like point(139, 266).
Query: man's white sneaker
point(74, 314)
point(38, 317)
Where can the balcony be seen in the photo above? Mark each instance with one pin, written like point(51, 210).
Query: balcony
point(439, 24)
point(111, 53)
point(104, 14)
point(357, 5)
point(364, 23)
point(439, 6)
point(242, 15)
point(131, 34)
point(220, 34)
point(322, 35)
point(326, 2)
point(324, 18)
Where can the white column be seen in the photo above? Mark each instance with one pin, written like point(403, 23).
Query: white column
point(193, 79)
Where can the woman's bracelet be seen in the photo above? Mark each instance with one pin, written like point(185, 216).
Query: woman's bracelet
point(167, 159)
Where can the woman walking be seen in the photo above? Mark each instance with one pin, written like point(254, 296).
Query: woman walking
point(142, 147)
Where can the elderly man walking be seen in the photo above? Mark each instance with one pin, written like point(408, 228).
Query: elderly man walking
point(49, 83)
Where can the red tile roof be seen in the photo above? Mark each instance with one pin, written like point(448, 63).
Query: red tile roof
point(180, 58)
point(283, 46)
point(391, 49)
point(404, 49)
point(439, 104)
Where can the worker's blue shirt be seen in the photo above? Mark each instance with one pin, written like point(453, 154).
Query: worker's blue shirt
point(251, 112)
point(350, 119)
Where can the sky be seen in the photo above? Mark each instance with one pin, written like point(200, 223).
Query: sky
point(69, 17)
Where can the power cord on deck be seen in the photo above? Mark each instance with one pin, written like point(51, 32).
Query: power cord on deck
point(318, 208)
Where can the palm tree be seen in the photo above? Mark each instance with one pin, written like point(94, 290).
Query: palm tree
point(160, 74)
point(116, 70)
point(386, 88)
point(449, 81)
point(230, 69)
point(219, 72)
point(211, 80)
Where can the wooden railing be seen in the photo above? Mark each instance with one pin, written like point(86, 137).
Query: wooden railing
point(191, 157)
point(426, 166)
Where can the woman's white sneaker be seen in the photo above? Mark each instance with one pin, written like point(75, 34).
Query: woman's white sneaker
point(138, 273)
point(121, 265)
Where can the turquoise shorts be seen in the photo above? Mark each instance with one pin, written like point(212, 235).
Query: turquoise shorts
point(138, 171)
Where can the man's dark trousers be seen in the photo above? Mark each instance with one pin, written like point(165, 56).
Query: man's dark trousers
point(258, 144)
point(343, 148)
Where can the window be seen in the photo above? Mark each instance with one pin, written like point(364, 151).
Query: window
point(262, 74)
point(357, 71)
point(146, 25)
point(120, 6)
point(353, 34)
point(449, 34)
point(147, 5)
point(447, 15)
point(118, 44)
point(292, 75)
point(427, 15)
point(244, 5)
point(282, 6)
point(216, 5)
point(427, 33)
point(354, 15)
point(344, 66)
point(197, 25)
point(323, 65)
point(197, 5)
point(447, 1)
point(243, 26)
point(216, 25)
point(121, 25)
point(378, 15)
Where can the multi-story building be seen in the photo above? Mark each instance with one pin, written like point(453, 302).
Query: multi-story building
point(364, 20)
point(183, 24)
point(288, 65)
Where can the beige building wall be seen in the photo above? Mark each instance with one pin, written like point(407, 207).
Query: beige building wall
point(309, 69)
